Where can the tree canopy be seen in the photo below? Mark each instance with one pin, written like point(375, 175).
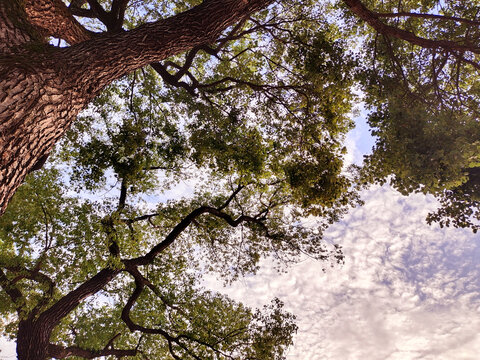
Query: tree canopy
point(248, 102)
point(421, 83)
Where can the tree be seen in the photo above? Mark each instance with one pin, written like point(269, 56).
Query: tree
point(421, 82)
point(44, 87)
point(251, 98)
point(258, 105)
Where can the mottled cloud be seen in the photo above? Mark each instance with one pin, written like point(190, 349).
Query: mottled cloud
point(406, 291)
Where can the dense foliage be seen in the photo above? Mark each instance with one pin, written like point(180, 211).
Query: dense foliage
point(421, 83)
point(254, 124)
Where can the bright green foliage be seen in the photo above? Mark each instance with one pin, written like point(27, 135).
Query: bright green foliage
point(424, 101)
point(41, 231)
point(256, 128)
point(254, 122)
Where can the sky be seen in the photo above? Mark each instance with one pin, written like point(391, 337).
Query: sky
point(407, 290)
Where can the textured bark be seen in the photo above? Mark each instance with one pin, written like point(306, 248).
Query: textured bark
point(15, 29)
point(35, 110)
point(53, 18)
point(33, 337)
point(42, 90)
point(32, 341)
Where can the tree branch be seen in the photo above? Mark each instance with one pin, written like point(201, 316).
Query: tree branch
point(123, 196)
point(140, 283)
point(171, 79)
point(427, 16)
point(118, 13)
point(12, 291)
point(52, 316)
point(372, 19)
point(39, 277)
point(111, 56)
point(102, 15)
point(231, 197)
point(52, 17)
point(182, 225)
point(60, 352)
point(139, 218)
point(75, 8)
point(133, 270)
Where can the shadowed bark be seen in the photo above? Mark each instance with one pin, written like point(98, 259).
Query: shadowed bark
point(42, 88)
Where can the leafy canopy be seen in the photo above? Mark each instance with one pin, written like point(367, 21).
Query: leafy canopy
point(255, 123)
point(420, 80)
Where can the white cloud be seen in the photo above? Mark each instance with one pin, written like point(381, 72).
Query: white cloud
point(7, 349)
point(407, 290)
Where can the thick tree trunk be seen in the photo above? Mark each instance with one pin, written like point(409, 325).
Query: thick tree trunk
point(32, 341)
point(42, 89)
point(33, 337)
point(35, 110)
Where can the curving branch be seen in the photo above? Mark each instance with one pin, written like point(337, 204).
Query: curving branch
point(39, 277)
point(12, 291)
point(373, 19)
point(186, 221)
point(52, 17)
point(177, 230)
point(171, 79)
point(140, 283)
point(76, 9)
point(428, 16)
point(174, 79)
point(137, 275)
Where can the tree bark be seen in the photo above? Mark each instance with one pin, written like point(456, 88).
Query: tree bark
point(42, 88)
point(52, 17)
point(33, 337)
point(15, 29)
point(32, 341)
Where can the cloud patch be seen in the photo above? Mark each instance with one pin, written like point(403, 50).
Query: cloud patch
point(407, 290)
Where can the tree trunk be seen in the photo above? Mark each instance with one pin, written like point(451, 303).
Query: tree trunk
point(35, 110)
point(42, 88)
point(33, 336)
point(32, 341)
